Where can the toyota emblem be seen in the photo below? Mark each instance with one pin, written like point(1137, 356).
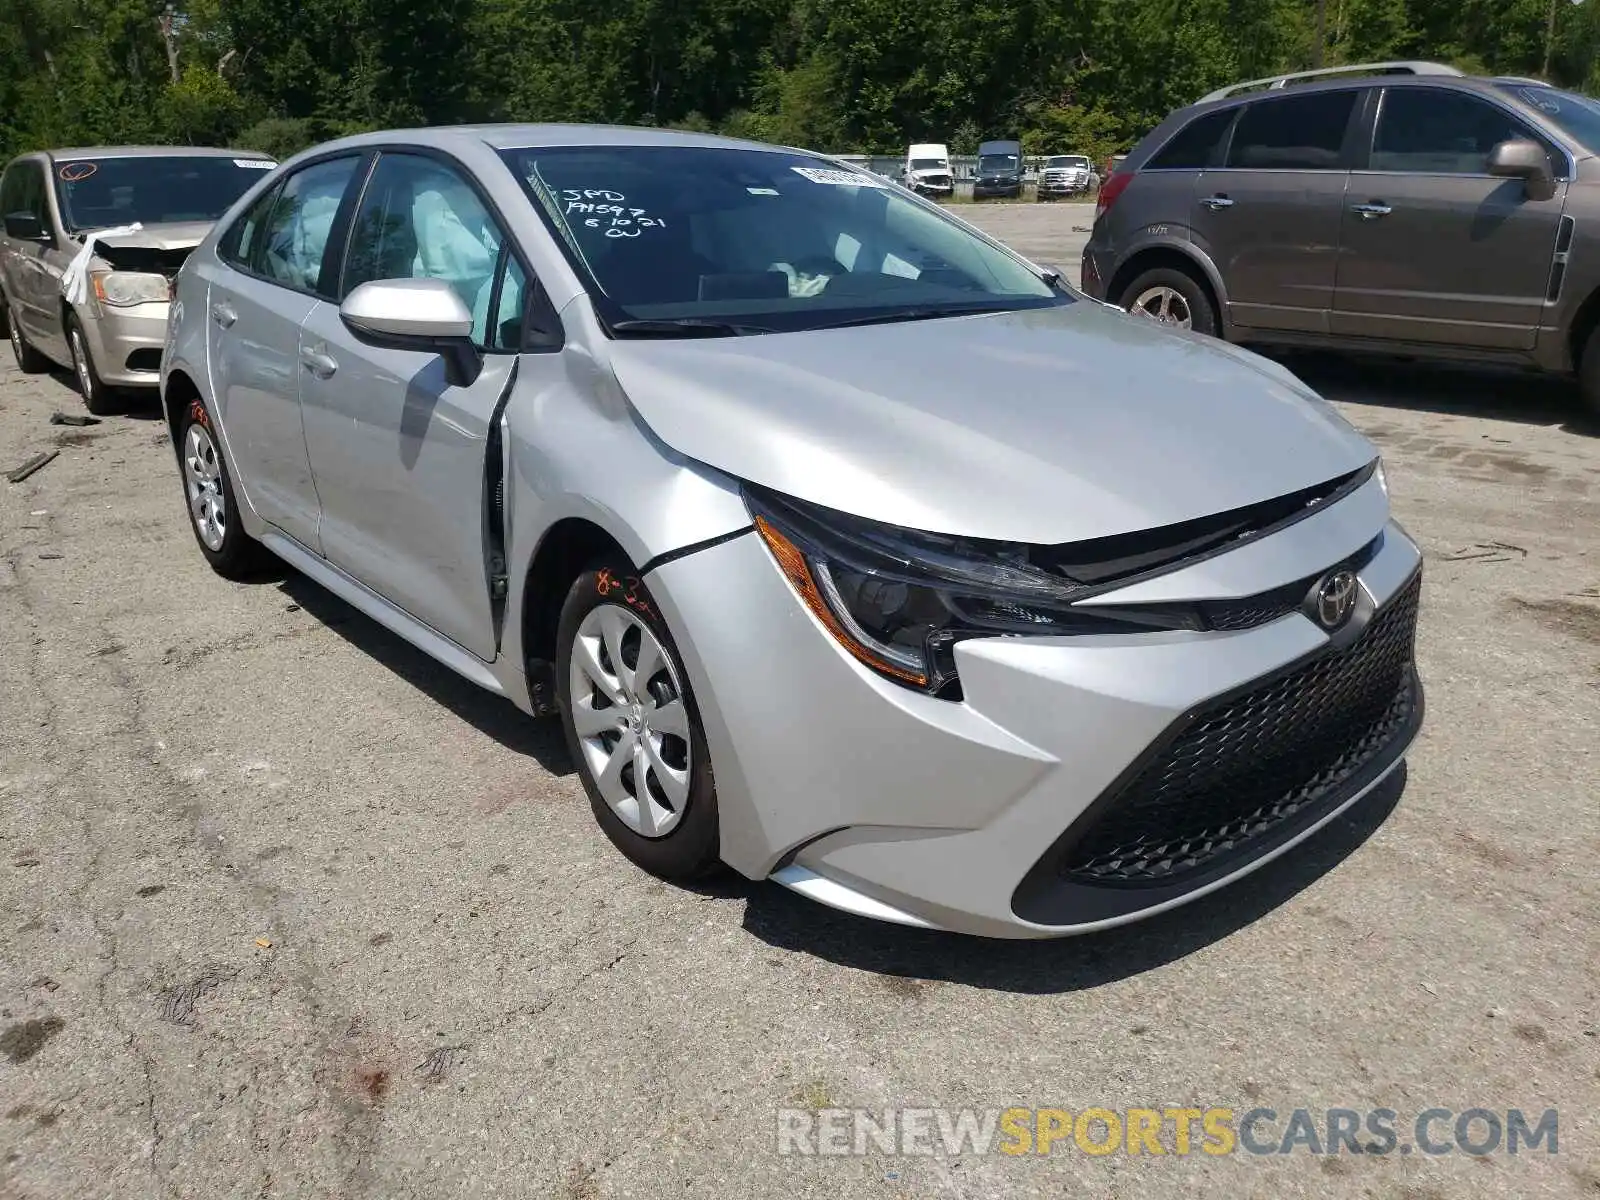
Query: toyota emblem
point(1334, 598)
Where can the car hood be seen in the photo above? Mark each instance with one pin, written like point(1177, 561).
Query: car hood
point(1043, 426)
point(174, 235)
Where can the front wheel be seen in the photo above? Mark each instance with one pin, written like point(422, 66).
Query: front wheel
point(1171, 297)
point(632, 726)
point(96, 396)
point(1589, 374)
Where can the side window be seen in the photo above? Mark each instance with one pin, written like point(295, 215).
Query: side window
point(419, 219)
point(1437, 132)
point(1196, 145)
point(524, 318)
point(295, 234)
point(242, 239)
point(11, 189)
point(30, 189)
point(1297, 133)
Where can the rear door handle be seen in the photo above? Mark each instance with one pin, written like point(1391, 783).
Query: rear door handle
point(222, 313)
point(319, 363)
point(1217, 203)
point(1371, 212)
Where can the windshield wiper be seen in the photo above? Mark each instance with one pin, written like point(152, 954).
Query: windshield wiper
point(917, 314)
point(685, 327)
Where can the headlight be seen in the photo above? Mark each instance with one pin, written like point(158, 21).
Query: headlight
point(122, 288)
point(900, 599)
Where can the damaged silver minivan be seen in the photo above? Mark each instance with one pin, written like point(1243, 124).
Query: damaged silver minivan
point(92, 239)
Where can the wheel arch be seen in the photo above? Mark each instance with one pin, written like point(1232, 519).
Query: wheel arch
point(566, 548)
point(1584, 322)
point(1187, 259)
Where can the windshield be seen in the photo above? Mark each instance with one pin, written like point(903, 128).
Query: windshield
point(97, 193)
point(765, 241)
point(997, 162)
point(1576, 116)
point(1067, 160)
point(929, 164)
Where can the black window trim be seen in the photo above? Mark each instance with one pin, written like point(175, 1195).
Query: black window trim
point(534, 286)
point(251, 269)
point(1552, 145)
point(1347, 147)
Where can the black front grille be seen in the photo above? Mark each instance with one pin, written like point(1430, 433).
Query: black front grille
point(1242, 767)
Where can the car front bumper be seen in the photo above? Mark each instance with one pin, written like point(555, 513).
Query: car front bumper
point(964, 815)
point(1010, 187)
point(126, 343)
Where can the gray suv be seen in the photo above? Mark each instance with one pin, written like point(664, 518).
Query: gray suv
point(1398, 207)
point(146, 208)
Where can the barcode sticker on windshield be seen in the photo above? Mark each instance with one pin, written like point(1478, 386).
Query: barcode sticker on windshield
point(839, 178)
point(255, 164)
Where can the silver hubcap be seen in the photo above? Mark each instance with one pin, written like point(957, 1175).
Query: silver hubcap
point(203, 481)
point(80, 363)
point(632, 727)
point(1165, 305)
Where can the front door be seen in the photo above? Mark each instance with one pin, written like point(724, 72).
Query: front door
point(397, 452)
point(256, 309)
point(1434, 248)
point(1270, 217)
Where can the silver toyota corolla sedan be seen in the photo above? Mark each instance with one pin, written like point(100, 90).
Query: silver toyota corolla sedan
point(854, 551)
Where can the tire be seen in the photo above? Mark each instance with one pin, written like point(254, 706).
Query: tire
point(29, 360)
point(97, 398)
point(1172, 286)
point(607, 618)
point(209, 499)
point(1589, 375)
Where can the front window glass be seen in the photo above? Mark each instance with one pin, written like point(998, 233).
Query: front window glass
point(1576, 116)
point(764, 240)
point(997, 163)
point(156, 189)
point(1067, 162)
point(928, 164)
point(1432, 131)
point(420, 220)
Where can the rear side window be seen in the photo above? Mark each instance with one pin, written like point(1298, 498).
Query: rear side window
point(239, 243)
point(23, 189)
point(1196, 145)
point(295, 233)
point(1432, 131)
point(1296, 133)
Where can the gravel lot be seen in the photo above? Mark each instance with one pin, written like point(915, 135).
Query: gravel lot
point(287, 910)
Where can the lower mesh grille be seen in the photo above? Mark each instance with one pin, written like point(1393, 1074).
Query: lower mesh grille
point(1246, 765)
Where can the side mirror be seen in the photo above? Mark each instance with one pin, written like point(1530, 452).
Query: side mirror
point(416, 314)
point(25, 227)
point(1526, 160)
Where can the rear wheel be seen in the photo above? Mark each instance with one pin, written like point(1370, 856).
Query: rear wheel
point(208, 492)
point(1171, 297)
point(29, 360)
point(632, 726)
point(97, 397)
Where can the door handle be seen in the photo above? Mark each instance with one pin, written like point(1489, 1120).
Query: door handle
point(318, 363)
point(1371, 212)
point(1217, 203)
point(222, 313)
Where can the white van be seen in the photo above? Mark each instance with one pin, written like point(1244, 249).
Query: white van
point(927, 169)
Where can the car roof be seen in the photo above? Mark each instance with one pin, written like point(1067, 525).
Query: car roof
point(528, 136)
point(74, 152)
point(1494, 84)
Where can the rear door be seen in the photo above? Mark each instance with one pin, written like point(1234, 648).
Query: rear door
point(273, 278)
point(1269, 218)
point(1435, 249)
point(400, 455)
